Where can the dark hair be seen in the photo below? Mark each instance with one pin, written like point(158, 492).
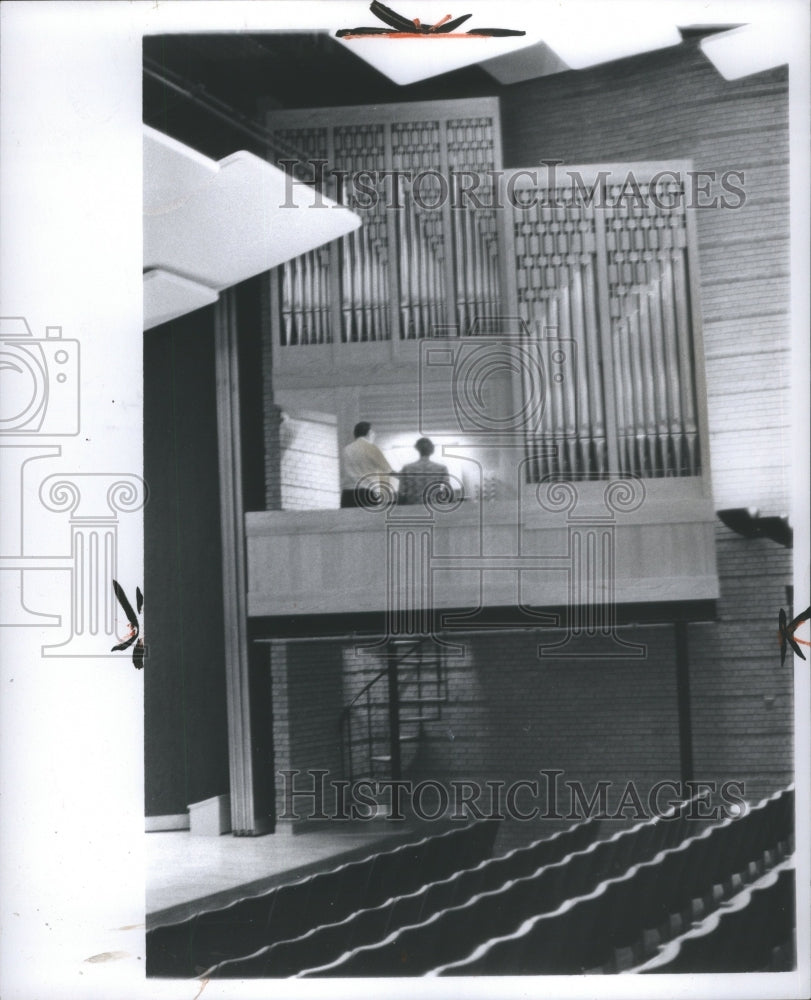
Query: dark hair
point(362, 429)
point(425, 446)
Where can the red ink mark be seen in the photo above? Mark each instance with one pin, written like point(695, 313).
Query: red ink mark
point(134, 627)
point(422, 36)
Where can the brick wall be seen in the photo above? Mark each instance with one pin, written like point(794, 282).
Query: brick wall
point(512, 715)
point(307, 696)
point(300, 450)
point(742, 701)
point(309, 462)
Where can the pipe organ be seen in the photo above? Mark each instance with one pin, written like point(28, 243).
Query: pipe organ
point(425, 257)
point(600, 279)
point(612, 272)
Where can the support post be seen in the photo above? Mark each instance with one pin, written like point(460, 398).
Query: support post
point(683, 696)
point(394, 712)
point(244, 820)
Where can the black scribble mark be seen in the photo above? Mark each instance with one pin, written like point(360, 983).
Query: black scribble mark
point(404, 27)
point(747, 522)
point(134, 634)
point(787, 631)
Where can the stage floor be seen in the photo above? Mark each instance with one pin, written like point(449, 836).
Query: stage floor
point(186, 874)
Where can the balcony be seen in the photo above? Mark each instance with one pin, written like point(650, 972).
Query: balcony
point(628, 542)
point(549, 344)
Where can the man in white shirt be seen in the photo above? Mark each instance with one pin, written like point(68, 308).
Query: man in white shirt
point(364, 468)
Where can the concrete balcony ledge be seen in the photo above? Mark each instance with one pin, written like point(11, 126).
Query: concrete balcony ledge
point(655, 547)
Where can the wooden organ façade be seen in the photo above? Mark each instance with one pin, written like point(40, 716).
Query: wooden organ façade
point(540, 324)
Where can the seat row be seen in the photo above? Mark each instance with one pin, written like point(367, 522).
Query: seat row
point(187, 947)
point(330, 940)
point(585, 932)
point(450, 934)
point(753, 932)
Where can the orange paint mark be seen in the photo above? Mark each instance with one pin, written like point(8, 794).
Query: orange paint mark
point(413, 34)
point(802, 642)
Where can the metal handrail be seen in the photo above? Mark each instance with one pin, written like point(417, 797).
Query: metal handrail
point(384, 671)
point(345, 719)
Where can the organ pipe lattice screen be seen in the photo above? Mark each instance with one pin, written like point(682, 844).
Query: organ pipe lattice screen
point(444, 268)
point(305, 288)
point(605, 267)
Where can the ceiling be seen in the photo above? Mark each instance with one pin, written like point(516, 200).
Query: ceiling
point(286, 70)
point(208, 93)
point(281, 69)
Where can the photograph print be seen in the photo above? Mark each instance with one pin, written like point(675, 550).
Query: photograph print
point(468, 558)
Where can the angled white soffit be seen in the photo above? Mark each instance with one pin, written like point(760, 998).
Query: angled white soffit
point(395, 58)
point(167, 296)
point(752, 48)
point(209, 225)
point(596, 36)
point(557, 38)
point(527, 64)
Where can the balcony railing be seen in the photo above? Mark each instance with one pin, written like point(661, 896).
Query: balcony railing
point(588, 544)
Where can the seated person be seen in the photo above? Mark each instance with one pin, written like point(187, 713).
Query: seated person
point(424, 478)
point(364, 469)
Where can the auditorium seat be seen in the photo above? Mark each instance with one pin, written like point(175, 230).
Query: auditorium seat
point(188, 947)
point(585, 933)
point(565, 904)
point(451, 933)
point(328, 942)
point(753, 932)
